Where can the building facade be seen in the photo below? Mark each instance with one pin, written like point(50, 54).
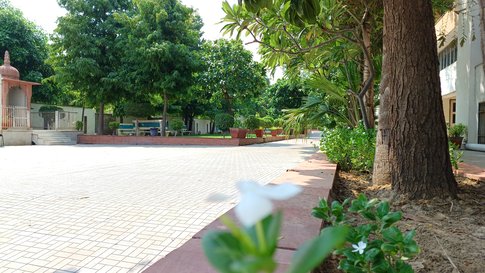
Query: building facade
point(461, 71)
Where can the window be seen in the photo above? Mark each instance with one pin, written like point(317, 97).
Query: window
point(481, 123)
point(448, 56)
point(452, 112)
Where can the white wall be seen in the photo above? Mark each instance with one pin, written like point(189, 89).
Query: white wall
point(470, 78)
point(201, 126)
point(448, 79)
point(38, 122)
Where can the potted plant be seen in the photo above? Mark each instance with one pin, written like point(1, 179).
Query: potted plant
point(278, 123)
point(252, 123)
point(177, 125)
point(237, 131)
point(224, 122)
point(266, 122)
point(79, 125)
point(456, 133)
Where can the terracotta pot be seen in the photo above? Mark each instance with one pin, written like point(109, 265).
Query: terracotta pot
point(259, 132)
point(238, 132)
point(457, 141)
point(274, 133)
point(279, 131)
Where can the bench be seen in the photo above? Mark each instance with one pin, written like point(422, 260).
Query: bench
point(126, 129)
point(144, 126)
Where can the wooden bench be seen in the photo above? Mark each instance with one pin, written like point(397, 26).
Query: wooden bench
point(126, 129)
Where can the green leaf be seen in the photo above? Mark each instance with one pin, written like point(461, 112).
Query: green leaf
point(371, 254)
point(391, 218)
point(392, 234)
point(382, 209)
point(222, 250)
point(314, 251)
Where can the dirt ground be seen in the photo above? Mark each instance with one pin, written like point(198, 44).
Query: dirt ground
point(450, 233)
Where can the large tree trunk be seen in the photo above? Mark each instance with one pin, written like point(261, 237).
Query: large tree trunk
point(165, 108)
point(369, 95)
point(101, 119)
point(418, 146)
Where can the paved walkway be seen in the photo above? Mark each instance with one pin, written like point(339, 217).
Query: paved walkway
point(119, 209)
point(473, 165)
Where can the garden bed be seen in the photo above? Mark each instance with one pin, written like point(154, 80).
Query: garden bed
point(450, 233)
point(149, 140)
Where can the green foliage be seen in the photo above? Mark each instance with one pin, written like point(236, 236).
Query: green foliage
point(113, 125)
point(278, 122)
point(224, 121)
point(79, 125)
point(177, 124)
point(457, 130)
point(243, 250)
point(350, 148)
point(27, 45)
point(230, 78)
point(386, 247)
point(266, 122)
point(284, 94)
point(455, 154)
point(252, 122)
point(50, 108)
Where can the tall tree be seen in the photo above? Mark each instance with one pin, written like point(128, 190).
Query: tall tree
point(161, 40)
point(230, 76)
point(27, 45)
point(85, 54)
point(414, 124)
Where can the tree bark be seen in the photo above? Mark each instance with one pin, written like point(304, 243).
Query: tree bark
point(369, 95)
point(419, 161)
point(164, 117)
point(382, 172)
point(101, 119)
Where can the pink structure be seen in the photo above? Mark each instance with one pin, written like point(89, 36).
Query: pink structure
point(15, 97)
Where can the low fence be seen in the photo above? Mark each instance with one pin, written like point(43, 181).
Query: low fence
point(15, 117)
point(56, 120)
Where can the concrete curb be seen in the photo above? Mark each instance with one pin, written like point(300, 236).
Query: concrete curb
point(315, 175)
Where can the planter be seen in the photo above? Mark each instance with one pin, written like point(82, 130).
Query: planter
point(238, 132)
point(153, 131)
point(274, 133)
point(259, 132)
point(456, 140)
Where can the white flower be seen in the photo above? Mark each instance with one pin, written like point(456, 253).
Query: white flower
point(255, 203)
point(359, 247)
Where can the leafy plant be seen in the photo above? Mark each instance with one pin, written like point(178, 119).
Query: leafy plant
point(457, 130)
point(79, 125)
point(266, 121)
point(251, 122)
point(177, 125)
point(113, 125)
point(224, 121)
point(375, 244)
point(455, 154)
point(350, 148)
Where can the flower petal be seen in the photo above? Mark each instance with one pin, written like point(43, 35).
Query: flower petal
point(279, 192)
point(252, 208)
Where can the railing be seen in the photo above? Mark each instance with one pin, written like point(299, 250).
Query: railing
point(58, 120)
point(15, 117)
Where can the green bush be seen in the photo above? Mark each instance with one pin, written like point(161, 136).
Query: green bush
point(278, 122)
point(79, 125)
point(177, 124)
point(267, 122)
point(457, 130)
point(113, 125)
point(352, 149)
point(251, 122)
point(224, 121)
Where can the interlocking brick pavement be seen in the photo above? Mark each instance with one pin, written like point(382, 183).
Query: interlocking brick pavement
point(120, 208)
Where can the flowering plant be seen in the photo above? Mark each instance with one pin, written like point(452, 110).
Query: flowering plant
point(251, 247)
point(376, 244)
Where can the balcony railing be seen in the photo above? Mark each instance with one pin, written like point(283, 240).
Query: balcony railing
point(15, 117)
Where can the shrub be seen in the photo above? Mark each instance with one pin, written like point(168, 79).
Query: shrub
point(113, 125)
point(177, 124)
point(455, 154)
point(251, 122)
point(79, 125)
point(352, 149)
point(278, 122)
point(457, 130)
point(224, 121)
point(267, 122)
